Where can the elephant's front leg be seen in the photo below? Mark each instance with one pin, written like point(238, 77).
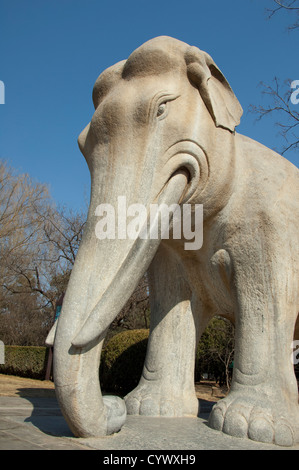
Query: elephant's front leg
point(263, 400)
point(166, 387)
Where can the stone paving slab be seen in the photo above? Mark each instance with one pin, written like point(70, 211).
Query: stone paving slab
point(37, 424)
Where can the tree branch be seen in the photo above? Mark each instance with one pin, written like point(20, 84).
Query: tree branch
point(280, 106)
point(289, 6)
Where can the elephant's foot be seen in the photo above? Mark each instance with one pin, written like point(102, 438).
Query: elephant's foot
point(116, 413)
point(243, 414)
point(150, 400)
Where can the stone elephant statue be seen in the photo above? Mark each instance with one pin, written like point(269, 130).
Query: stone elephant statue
point(163, 132)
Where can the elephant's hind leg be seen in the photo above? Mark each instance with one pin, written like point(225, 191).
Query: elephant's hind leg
point(166, 387)
point(263, 400)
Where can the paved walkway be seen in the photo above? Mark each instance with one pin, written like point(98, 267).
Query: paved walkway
point(35, 422)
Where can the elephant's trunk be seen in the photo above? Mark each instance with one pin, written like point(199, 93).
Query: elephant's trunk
point(104, 276)
point(130, 271)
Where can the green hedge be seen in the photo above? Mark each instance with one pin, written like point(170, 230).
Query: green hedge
point(122, 361)
point(25, 361)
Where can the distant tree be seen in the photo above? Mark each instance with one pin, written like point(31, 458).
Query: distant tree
point(215, 352)
point(136, 312)
point(280, 105)
point(38, 246)
point(282, 96)
point(21, 322)
point(23, 205)
point(63, 231)
point(46, 270)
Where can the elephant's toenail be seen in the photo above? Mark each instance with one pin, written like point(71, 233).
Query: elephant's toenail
point(261, 430)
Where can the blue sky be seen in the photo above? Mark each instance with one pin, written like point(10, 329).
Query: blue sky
point(53, 51)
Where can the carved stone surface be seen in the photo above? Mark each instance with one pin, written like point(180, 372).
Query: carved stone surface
point(164, 131)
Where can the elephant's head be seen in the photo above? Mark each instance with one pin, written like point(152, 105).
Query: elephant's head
point(156, 121)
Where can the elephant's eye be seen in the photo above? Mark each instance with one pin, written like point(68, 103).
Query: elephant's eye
point(161, 109)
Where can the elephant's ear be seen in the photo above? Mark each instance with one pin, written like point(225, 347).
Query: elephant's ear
point(214, 89)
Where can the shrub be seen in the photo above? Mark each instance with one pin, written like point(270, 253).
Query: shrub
point(25, 361)
point(122, 361)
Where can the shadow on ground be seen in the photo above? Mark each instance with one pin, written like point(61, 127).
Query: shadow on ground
point(205, 408)
point(46, 414)
point(47, 417)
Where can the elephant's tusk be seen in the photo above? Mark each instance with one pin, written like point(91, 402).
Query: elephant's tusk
point(51, 335)
point(135, 264)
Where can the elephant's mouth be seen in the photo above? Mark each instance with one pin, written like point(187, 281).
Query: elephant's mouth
point(176, 190)
point(189, 157)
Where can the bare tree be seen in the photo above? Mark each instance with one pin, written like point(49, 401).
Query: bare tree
point(22, 201)
point(280, 104)
point(63, 229)
point(21, 322)
point(23, 205)
point(46, 270)
point(280, 94)
point(136, 313)
point(215, 352)
point(291, 6)
point(38, 246)
point(39, 243)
